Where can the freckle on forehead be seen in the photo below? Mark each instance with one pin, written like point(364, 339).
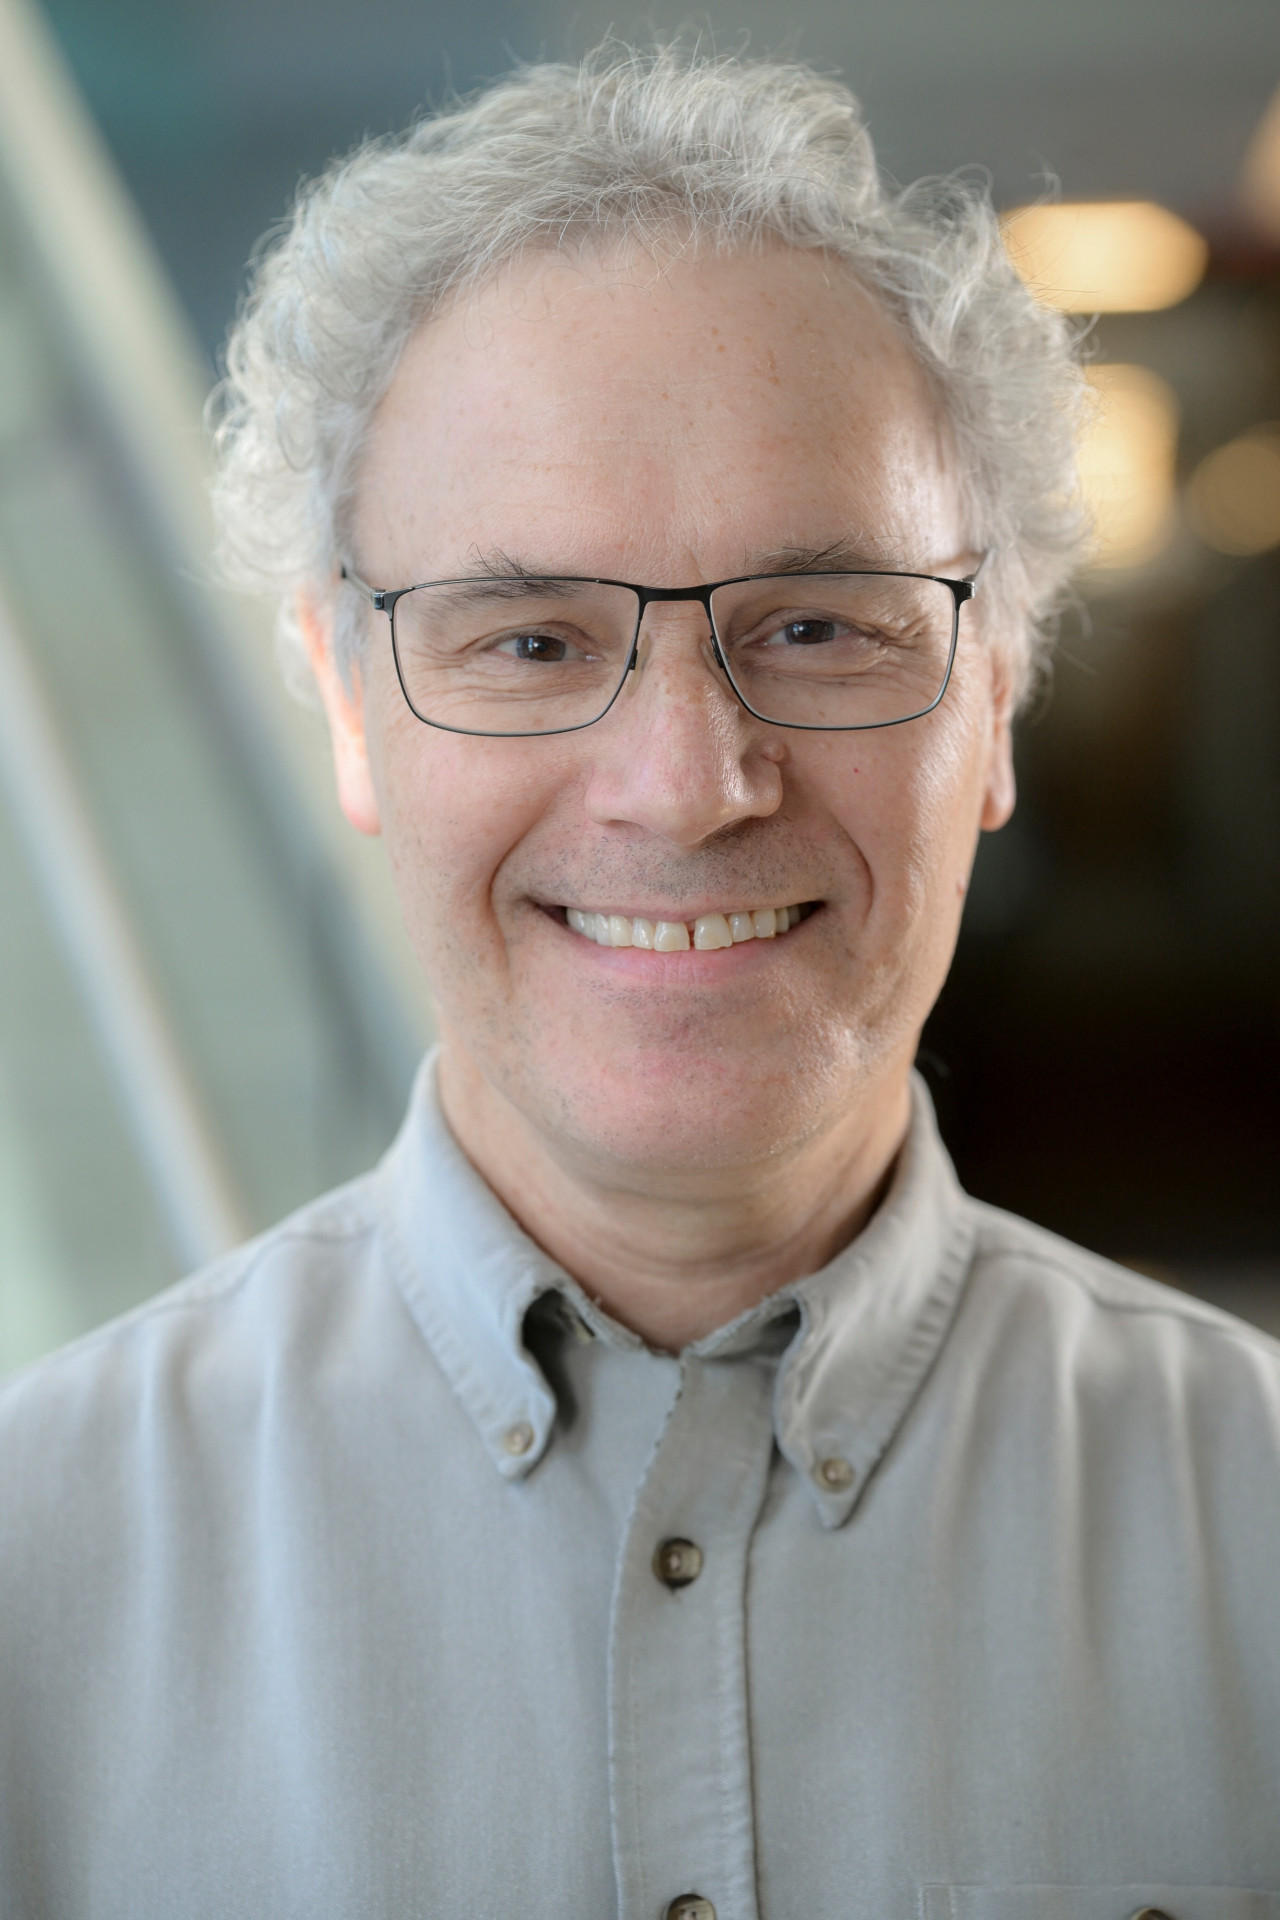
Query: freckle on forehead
point(629, 403)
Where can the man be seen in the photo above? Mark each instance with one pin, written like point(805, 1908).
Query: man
point(657, 1490)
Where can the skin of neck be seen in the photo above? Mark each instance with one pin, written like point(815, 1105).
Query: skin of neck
point(674, 1253)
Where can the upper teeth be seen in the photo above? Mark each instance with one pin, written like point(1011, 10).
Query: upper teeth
point(708, 931)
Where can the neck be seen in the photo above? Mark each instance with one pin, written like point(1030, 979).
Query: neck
point(674, 1255)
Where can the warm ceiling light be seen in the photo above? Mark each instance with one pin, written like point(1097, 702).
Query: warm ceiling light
point(1260, 181)
point(1233, 497)
point(1127, 464)
point(1105, 256)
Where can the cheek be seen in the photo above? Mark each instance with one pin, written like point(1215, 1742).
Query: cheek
point(947, 811)
point(444, 851)
point(915, 815)
point(454, 809)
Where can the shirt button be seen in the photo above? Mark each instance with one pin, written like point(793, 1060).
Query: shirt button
point(1152, 1913)
point(834, 1474)
point(518, 1439)
point(690, 1906)
point(678, 1563)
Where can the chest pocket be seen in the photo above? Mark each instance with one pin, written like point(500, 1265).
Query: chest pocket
point(1099, 1903)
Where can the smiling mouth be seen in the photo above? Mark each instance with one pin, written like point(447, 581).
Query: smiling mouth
point(708, 932)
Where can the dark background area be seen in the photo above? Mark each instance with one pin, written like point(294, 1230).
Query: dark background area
point(1107, 1052)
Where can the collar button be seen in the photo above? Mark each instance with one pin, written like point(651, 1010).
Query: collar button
point(834, 1474)
point(517, 1440)
point(690, 1906)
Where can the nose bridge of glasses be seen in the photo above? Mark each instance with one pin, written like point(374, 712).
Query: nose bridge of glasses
point(673, 611)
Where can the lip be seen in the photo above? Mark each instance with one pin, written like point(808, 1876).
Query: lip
point(557, 912)
point(691, 968)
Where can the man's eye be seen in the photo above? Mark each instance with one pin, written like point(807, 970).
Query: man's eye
point(801, 630)
point(545, 647)
point(806, 633)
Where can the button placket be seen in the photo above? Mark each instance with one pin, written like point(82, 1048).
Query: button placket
point(680, 1755)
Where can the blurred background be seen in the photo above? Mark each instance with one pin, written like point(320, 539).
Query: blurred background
point(207, 1012)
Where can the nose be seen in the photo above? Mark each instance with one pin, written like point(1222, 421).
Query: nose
point(677, 754)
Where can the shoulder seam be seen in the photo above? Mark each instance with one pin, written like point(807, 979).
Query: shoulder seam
point(1091, 1273)
point(207, 1287)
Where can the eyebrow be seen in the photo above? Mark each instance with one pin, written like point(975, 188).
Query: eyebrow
point(842, 556)
point(501, 578)
point(496, 574)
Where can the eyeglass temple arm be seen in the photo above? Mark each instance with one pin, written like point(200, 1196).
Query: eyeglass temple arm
point(972, 579)
point(377, 595)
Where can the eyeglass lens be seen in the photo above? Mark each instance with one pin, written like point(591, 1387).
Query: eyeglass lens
point(807, 650)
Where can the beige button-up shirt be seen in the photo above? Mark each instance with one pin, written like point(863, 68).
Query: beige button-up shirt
point(376, 1572)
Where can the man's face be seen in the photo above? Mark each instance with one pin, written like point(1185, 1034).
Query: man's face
point(668, 427)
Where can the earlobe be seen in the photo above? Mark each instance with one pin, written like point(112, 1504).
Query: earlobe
point(344, 710)
point(1002, 788)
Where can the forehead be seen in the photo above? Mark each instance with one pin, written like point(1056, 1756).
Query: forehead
point(643, 419)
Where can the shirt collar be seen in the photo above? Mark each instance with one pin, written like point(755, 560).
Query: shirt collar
point(871, 1321)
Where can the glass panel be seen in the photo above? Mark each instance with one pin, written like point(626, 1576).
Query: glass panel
point(241, 935)
point(79, 1234)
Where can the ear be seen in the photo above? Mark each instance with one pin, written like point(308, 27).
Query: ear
point(344, 710)
point(1002, 790)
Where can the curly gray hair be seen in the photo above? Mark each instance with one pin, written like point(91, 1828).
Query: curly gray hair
point(632, 146)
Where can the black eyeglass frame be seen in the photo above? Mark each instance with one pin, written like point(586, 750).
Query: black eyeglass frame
point(384, 600)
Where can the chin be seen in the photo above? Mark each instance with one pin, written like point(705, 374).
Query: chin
point(677, 1136)
point(691, 1108)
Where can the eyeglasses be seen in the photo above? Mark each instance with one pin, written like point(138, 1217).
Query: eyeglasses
point(531, 655)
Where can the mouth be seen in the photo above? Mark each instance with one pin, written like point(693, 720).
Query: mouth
point(705, 934)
